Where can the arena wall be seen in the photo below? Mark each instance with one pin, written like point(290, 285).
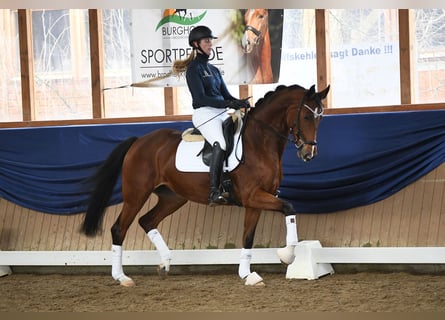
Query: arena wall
point(413, 217)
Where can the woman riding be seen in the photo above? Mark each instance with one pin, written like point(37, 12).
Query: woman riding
point(210, 99)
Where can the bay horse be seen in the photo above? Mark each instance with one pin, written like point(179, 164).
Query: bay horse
point(256, 44)
point(147, 165)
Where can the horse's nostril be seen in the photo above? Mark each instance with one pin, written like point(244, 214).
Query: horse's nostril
point(308, 157)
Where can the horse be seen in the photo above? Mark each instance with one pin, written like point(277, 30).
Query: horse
point(184, 11)
point(147, 165)
point(256, 44)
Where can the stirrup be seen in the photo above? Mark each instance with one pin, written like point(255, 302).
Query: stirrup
point(216, 198)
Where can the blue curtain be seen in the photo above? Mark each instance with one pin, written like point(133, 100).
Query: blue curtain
point(363, 158)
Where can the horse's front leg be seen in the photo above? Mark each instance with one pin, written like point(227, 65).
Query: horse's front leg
point(267, 201)
point(287, 254)
point(251, 218)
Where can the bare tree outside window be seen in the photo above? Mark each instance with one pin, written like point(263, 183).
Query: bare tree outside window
point(61, 63)
point(430, 55)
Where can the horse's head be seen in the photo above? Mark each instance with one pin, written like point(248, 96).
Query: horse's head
point(256, 21)
point(305, 124)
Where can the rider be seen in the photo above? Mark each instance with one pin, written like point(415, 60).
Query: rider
point(210, 98)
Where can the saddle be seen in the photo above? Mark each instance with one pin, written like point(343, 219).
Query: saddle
point(230, 127)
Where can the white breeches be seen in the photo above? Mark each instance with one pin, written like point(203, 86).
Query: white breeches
point(209, 121)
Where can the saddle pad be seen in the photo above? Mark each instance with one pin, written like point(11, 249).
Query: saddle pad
point(189, 137)
point(188, 160)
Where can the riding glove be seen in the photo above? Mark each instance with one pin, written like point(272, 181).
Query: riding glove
point(238, 104)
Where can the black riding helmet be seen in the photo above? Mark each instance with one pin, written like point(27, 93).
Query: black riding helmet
point(200, 32)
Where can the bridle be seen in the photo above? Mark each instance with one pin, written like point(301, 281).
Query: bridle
point(249, 43)
point(255, 31)
point(298, 138)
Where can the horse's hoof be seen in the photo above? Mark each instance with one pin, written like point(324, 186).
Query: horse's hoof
point(286, 254)
point(254, 279)
point(126, 282)
point(162, 272)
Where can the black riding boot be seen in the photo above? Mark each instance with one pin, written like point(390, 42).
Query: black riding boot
point(216, 166)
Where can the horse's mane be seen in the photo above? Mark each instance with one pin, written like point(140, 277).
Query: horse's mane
point(271, 94)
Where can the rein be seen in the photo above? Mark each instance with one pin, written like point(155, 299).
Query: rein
point(265, 125)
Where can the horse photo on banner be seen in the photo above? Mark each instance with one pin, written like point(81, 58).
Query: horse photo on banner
point(247, 49)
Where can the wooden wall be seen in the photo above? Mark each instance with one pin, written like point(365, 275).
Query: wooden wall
point(415, 216)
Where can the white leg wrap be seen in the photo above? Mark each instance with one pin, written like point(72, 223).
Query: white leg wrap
point(161, 247)
point(291, 230)
point(117, 271)
point(287, 254)
point(116, 262)
point(244, 264)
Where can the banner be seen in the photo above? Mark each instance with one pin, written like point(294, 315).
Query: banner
point(247, 51)
point(371, 69)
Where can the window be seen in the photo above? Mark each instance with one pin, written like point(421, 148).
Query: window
point(124, 102)
point(429, 62)
point(10, 88)
point(61, 64)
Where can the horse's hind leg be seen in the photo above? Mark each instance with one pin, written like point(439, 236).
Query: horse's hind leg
point(168, 203)
point(251, 217)
point(118, 232)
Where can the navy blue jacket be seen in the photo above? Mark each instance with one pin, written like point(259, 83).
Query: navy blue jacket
point(206, 84)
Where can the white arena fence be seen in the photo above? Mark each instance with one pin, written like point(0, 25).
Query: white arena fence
point(311, 261)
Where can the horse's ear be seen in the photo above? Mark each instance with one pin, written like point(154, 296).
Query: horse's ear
point(324, 93)
point(311, 90)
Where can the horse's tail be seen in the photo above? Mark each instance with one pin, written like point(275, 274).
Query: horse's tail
point(104, 180)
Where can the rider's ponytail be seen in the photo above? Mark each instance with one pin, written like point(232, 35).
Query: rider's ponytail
point(180, 66)
point(178, 69)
